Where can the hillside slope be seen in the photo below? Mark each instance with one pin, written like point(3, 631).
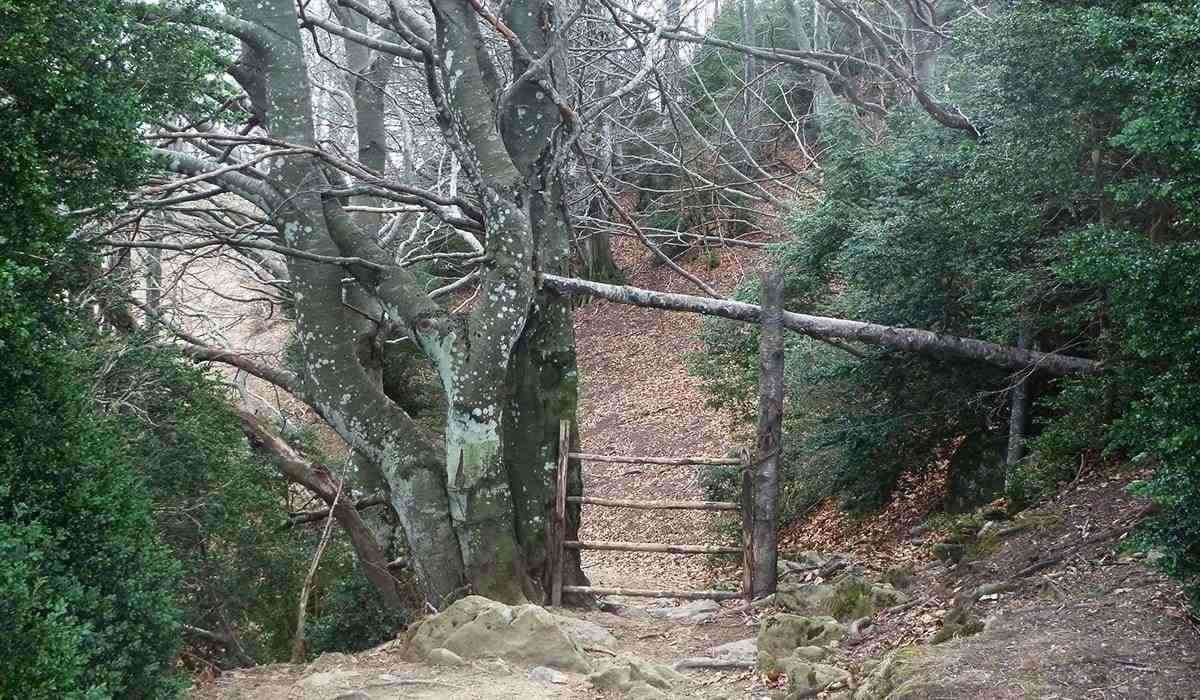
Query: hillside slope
point(636, 398)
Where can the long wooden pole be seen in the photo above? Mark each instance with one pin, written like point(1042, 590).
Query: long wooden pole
point(676, 461)
point(560, 513)
point(648, 593)
point(651, 547)
point(653, 505)
point(910, 339)
point(765, 470)
point(747, 497)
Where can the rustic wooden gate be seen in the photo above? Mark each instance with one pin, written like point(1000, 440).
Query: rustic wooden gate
point(558, 525)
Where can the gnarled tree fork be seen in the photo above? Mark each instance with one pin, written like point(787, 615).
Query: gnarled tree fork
point(471, 501)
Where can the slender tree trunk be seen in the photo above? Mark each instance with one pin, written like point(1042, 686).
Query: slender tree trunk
point(822, 92)
point(595, 248)
point(1018, 420)
point(770, 418)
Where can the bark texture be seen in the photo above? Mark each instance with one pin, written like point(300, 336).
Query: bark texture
point(770, 423)
point(472, 501)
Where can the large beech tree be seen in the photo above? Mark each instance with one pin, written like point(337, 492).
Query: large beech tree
point(472, 501)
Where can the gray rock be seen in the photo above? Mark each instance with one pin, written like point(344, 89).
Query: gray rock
point(811, 653)
point(949, 551)
point(585, 632)
point(992, 527)
point(695, 612)
point(848, 596)
point(742, 649)
point(805, 677)
point(545, 674)
point(625, 672)
point(476, 627)
point(443, 657)
point(630, 611)
point(782, 634)
point(353, 695)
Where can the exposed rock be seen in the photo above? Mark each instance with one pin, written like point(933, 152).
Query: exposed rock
point(545, 674)
point(630, 611)
point(644, 691)
point(697, 611)
point(354, 695)
point(959, 622)
point(848, 597)
point(780, 635)
point(326, 662)
point(949, 551)
point(811, 653)
point(624, 673)
point(742, 649)
point(888, 674)
point(585, 632)
point(476, 627)
point(708, 662)
point(992, 528)
point(806, 676)
point(805, 598)
point(443, 657)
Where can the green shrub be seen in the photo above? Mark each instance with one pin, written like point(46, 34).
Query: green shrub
point(350, 617)
point(79, 547)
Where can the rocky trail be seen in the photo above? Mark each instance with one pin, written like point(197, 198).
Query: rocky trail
point(1043, 605)
point(1040, 606)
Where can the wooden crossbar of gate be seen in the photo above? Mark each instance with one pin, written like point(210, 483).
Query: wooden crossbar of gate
point(559, 525)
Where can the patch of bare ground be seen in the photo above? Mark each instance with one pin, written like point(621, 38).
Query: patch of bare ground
point(385, 672)
point(636, 398)
point(1080, 617)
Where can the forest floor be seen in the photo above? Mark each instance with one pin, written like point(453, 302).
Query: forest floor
point(636, 398)
point(1092, 622)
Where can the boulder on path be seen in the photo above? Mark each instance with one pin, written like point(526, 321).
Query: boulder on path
point(741, 650)
point(545, 674)
point(887, 675)
point(695, 612)
point(781, 634)
point(847, 597)
point(476, 627)
point(586, 632)
point(806, 678)
point(628, 673)
point(443, 657)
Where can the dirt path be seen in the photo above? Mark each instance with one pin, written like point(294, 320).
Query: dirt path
point(636, 398)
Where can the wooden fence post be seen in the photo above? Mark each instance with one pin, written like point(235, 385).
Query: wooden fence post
point(559, 526)
point(765, 466)
point(747, 501)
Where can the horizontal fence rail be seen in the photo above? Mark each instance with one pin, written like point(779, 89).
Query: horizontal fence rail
point(560, 543)
point(648, 593)
point(651, 547)
point(670, 461)
point(653, 505)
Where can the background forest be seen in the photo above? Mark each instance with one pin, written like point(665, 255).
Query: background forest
point(1055, 207)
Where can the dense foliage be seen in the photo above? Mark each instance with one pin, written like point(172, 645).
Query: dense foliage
point(88, 592)
point(1073, 218)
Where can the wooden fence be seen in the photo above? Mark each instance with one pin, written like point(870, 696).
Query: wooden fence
point(759, 480)
point(561, 544)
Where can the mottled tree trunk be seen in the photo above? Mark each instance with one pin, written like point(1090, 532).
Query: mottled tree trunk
point(770, 418)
